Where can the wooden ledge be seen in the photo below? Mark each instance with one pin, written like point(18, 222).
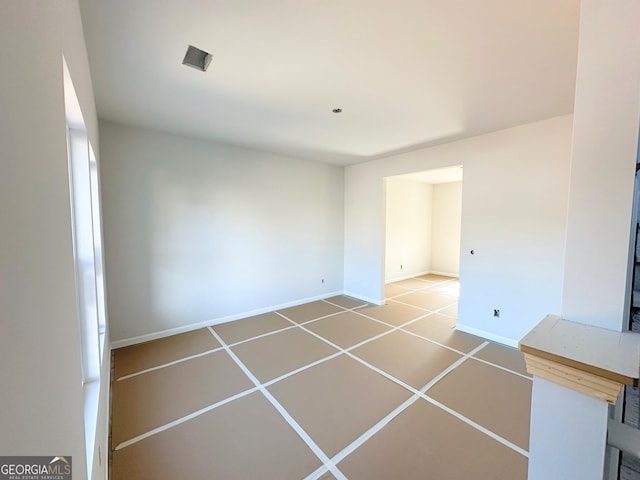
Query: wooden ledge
point(591, 360)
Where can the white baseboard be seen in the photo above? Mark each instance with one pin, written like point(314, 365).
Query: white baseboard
point(215, 321)
point(444, 274)
point(357, 296)
point(418, 274)
point(405, 277)
point(488, 335)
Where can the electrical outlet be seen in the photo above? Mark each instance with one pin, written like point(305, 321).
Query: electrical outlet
point(496, 313)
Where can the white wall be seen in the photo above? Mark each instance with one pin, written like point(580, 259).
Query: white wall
point(408, 228)
point(513, 216)
point(196, 231)
point(605, 142)
point(40, 367)
point(422, 228)
point(445, 232)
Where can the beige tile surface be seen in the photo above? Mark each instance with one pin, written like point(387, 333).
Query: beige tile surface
point(495, 399)
point(407, 358)
point(507, 357)
point(274, 355)
point(337, 401)
point(347, 329)
point(414, 283)
point(334, 401)
point(427, 299)
point(451, 311)
point(246, 439)
point(427, 443)
point(153, 399)
point(436, 278)
point(451, 289)
point(393, 313)
point(239, 330)
point(139, 357)
point(391, 290)
point(346, 302)
point(442, 329)
point(310, 311)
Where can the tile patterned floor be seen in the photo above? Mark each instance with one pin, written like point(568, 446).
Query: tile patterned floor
point(333, 389)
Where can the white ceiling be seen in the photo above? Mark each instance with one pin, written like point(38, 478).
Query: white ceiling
point(407, 73)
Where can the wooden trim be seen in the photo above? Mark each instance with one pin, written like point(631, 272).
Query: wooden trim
point(591, 369)
point(604, 353)
point(594, 385)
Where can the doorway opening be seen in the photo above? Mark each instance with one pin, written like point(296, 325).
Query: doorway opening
point(423, 225)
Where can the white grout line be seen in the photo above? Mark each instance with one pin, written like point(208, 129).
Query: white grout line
point(342, 306)
point(289, 419)
point(435, 342)
point(184, 419)
point(330, 464)
point(262, 335)
point(500, 367)
point(454, 365)
point(197, 413)
point(473, 424)
point(301, 369)
point(422, 308)
point(398, 410)
point(164, 365)
point(184, 359)
point(470, 422)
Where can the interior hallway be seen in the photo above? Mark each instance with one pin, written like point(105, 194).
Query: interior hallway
point(330, 389)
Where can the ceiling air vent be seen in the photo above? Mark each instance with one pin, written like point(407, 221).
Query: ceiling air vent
point(197, 58)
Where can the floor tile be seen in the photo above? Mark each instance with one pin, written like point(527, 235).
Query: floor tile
point(139, 357)
point(239, 330)
point(442, 329)
point(153, 399)
point(426, 299)
point(391, 290)
point(346, 302)
point(507, 357)
point(436, 278)
point(407, 358)
point(451, 289)
point(337, 401)
point(424, 442)
point(347, 329)
point(393, 313)
point(274, 355)
point(493, 398)
point(451, 311)
point(242, 440)
point(310, 311)
point(414, 283)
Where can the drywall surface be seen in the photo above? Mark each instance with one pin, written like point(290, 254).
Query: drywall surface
point(445, 231)
point(408, 231)
point(605, 141)
point(196, 231)
point(568, 433)
point(40, 352)
point(513, 217)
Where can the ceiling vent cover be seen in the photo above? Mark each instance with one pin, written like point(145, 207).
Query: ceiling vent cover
point(197, 58)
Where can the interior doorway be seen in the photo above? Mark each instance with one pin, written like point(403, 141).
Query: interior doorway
point(423, 224)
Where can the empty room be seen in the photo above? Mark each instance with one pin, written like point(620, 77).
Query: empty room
point(319, 240)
